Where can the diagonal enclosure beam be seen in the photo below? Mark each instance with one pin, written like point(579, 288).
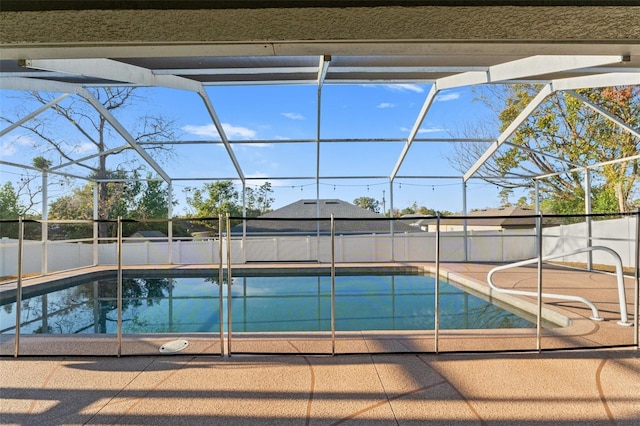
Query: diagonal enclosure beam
point(33, 114)
point(527, 67)
point(223, 137)
point(118, 71)
point(123, 132)
point(414, 131)
point(598, 80)
point(89, 157)
point(36, 85)
point(604, 113)
point(535, 102)
point(109, 69)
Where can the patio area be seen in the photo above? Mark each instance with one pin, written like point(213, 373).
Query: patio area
point(590, 387)
point(585, 388)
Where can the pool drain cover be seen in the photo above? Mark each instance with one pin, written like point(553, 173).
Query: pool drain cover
point(174, 346)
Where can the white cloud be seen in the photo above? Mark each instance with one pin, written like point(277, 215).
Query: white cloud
point(431, 130)
point(7, 149)
point(293, 115)
point(238, 131)
point(386, 105)
point(423, 130)
point(209, 130)
point(448, 96)
point(11, 144)
point(257, 145)
point(404, 88)
point(84, 147)
point(206, 130)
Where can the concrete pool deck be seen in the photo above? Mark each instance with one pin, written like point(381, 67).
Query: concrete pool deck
point(587, 387)
point(578, 388)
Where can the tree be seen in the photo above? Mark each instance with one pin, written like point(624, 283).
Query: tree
point(561, 133)
point(214, 199)
point(259, 200)
point(94, 130)
point(415, 209)
point(504, 194)
point(10, 209)
point(368, 203)
point(10, 204)
point(133, 199)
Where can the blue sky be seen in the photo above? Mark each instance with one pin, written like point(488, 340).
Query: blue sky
point(289, 113)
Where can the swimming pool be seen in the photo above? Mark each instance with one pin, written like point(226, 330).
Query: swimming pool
point(259, 304)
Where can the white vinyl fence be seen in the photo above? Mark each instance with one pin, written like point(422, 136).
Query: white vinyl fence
point(481, 246)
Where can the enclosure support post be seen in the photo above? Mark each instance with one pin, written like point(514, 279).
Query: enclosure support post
point(539, 311)
point(536, 189)
point(393, 256)
point(220, 285)
point(244, 222)
point(170, 223)
point(587, 207)
point(464, 222)
point(16, 347)
point(119, 295)
point(333, 287)
point(45, 226)
point(229, 280)
point(636, 298)
point(436, 327)
point(95, 224)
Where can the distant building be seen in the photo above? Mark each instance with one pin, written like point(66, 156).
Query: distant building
point(300, 218)
point(503, 218)
point(150, 236)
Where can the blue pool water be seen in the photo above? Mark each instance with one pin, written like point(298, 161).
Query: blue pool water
point(259, 304)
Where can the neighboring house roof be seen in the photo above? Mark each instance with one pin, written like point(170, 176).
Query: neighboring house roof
point(148, 234)
point(296, 215)
point(503, 217)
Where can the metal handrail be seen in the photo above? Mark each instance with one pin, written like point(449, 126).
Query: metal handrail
point(595, 314)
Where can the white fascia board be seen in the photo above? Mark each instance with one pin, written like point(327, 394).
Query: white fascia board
point(109, 69)
point(546, 64)
point(599, 80)
point(235, 71)
point(37, 85)
point(535, 102)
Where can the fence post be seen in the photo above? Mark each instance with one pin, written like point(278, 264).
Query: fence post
point(636, 298)
point(119, 294)
point(229, 280)
point(436, 326)
point(333, 287)
point(539, 307)
point(220, 285)
point(16, 348)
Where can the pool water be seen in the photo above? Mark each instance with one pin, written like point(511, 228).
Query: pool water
point(259, 304)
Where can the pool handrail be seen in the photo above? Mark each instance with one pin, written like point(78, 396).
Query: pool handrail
point(594, 310)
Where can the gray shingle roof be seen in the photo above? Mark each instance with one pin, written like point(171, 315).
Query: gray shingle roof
point(292, 218)
point(505, 217)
